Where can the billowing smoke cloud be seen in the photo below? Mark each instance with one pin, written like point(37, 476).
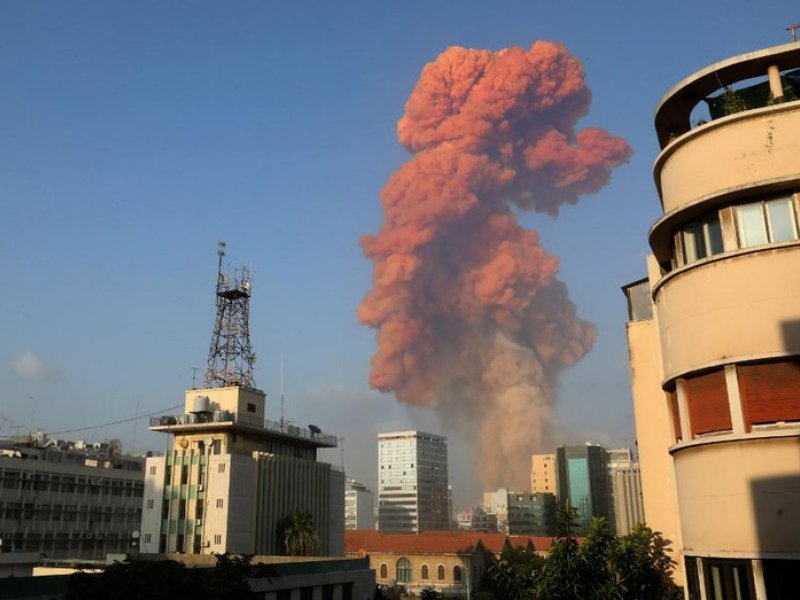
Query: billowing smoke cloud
point(470, 316)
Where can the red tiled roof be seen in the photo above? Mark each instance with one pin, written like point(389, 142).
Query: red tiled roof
point(436, 542)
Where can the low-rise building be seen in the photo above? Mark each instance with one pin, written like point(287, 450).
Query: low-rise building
point(68, 499)
point(453, 563)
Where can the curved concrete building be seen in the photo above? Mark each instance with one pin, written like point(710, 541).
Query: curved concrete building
point(714, 331)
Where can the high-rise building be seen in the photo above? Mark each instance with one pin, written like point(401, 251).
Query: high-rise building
point(68, 499)
point(230, 476)
point(714, 331)
point(412, 482)
point(358, 506)
point(625, 486)
point(543, 473)
point(583, 482)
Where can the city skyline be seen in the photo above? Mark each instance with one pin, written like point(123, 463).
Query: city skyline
point(142, 134)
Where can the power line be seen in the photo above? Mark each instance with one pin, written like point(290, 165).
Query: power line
point(152, 414)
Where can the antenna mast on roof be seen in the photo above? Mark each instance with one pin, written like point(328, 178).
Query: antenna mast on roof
point(281, 391)
point(231, 358)
point(793, 29)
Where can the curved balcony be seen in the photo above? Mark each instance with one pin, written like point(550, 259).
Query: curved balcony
point(740, 497)
point(729, 156)
point(730, 308)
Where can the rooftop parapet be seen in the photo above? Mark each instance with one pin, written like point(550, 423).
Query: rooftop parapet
point(190, 422)
point(673, 114)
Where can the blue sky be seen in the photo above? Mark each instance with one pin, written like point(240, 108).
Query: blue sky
point(137, 134)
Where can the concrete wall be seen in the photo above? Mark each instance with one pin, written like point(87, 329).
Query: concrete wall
point(654, 435)
point(733, 308)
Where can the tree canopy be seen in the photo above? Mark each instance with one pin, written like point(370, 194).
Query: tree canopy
point(297, 534)
point(601, 567)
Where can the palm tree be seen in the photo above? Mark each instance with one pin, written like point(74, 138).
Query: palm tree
point(297, 534)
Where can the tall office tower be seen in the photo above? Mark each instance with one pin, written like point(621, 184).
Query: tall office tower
point(625, 486)
point(358, 506)
point(714, 331)
point(230, 476)
point(412, 482)
point(583, 482)
point(543, 473)
point(68, 499)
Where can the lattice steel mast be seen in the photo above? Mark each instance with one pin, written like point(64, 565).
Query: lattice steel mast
point(231, 358)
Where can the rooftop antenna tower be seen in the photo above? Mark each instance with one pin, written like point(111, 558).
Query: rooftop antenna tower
point(231, 358)
point(282, 422)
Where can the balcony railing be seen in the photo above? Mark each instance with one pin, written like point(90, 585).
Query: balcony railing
point(226, 416)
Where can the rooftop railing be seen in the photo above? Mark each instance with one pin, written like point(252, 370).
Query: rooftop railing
point(226, 416)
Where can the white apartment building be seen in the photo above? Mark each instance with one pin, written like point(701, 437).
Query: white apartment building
point(231, 476)
point(359, 506)
point(412, 482)
point(68, 499)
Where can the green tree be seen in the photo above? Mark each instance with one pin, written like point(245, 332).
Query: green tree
point(297, 534)
point(643, 567)
point(601, 567)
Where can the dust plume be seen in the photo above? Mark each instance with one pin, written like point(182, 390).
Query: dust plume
point(471, 317)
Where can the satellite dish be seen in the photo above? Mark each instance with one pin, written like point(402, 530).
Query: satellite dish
point(314, 429)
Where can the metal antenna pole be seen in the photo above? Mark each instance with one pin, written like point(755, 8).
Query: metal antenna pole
point(281, 391)
point(793, 29)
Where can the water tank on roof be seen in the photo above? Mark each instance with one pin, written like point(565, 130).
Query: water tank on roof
point(200, 404)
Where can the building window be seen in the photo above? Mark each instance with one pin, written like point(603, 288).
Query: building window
point(456, 573)
point(384, 571)
point(403, 571)
point(672, 398)
point(440, 573)
point(219, 502)
point(769, 392)
point(729, 579)
point(151, 503)
point(424, 573)
point(770, 221)
point(153, 470)
point(699, 239)
point(221, 468)
point(707, 400)
point(148, 537)
point(218, 538)
point(251, 407)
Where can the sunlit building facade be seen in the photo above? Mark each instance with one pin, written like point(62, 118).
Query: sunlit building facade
point(714, 330)
point(412, 482)
point(543, 473)
point(230, 477)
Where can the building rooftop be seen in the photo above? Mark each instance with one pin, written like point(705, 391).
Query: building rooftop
point(223, 419)
point(438, 542)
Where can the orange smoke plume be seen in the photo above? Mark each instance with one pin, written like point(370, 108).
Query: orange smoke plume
point(470, 316)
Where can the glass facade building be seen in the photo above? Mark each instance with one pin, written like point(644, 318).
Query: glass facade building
point(583, 482)
point(412, 482)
